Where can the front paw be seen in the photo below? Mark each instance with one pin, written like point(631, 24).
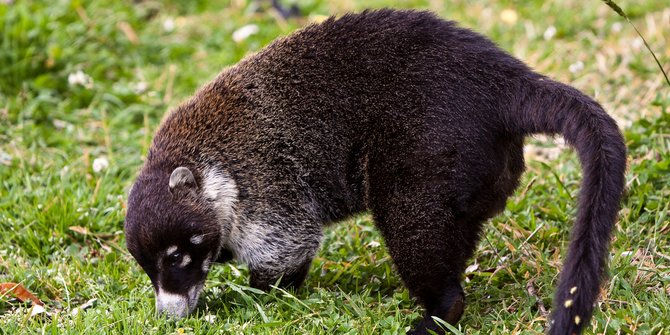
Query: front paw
point(424, 326)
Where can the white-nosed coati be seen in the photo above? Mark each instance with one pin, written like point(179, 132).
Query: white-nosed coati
point(397, 112)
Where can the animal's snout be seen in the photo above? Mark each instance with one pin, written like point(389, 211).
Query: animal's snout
point(172, 305)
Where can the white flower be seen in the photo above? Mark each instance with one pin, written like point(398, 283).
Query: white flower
point(373, 244)
point(168, 25)
point(5, 158)
point(64, 171)
point(63, 125)
point(549, 33)
point(141, 87)
point(509, 16)
point(576, 67)
point(244, 32)
point(472, 268)
point(100, 164)
point(80, 78)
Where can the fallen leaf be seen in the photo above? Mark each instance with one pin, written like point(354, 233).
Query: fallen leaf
point(20, 292)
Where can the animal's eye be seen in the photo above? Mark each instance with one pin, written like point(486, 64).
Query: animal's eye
point(174, 257)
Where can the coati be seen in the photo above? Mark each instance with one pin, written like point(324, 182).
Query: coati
point(396, 112)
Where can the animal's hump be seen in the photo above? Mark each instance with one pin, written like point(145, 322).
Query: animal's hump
point(387, 18)
point(371, 36)
point(382, 22)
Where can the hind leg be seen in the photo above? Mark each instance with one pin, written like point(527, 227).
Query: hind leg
point(429, 244)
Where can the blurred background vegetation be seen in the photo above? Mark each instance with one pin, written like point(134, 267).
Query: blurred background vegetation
point(83, 85)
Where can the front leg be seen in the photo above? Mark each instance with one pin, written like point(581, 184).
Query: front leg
point(289, 277)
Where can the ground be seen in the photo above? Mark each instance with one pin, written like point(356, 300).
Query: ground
point(84, 84)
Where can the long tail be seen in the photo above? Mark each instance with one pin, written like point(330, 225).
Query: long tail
point(550, 107)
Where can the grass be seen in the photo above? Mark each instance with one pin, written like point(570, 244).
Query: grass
point(62, 220)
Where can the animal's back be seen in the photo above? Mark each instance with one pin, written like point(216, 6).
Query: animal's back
point(390, 83)
point(380, 62)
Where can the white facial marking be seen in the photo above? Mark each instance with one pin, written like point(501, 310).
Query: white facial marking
point(171, 250)
point(194, 292)
point(172, 304)
point(196, 239)
point(186, 260)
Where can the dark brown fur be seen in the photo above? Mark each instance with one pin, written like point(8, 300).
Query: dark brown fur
point(397, 112)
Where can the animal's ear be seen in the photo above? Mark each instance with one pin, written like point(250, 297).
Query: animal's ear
point(182, 182)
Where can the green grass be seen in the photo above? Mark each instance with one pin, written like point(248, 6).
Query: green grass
point(52, 131)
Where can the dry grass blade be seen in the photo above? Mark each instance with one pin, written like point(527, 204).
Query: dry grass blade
point(620, 11)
